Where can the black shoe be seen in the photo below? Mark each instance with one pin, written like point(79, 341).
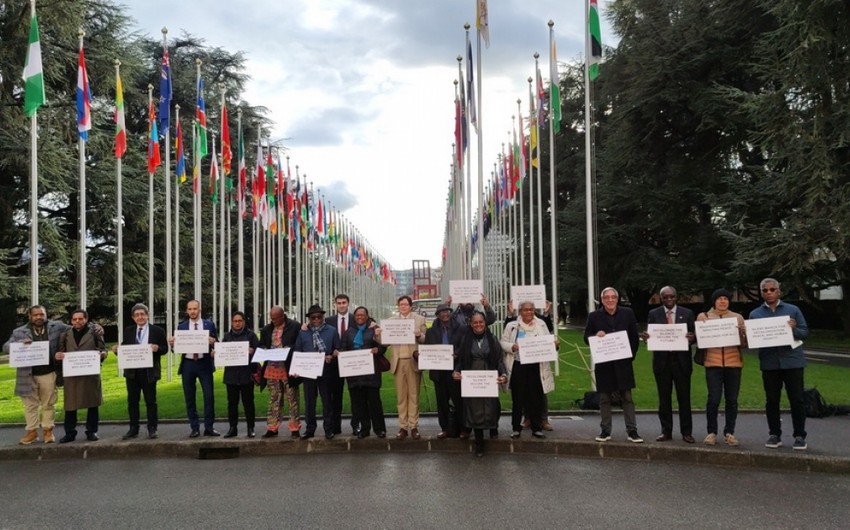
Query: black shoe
point(67, 438)
point(195, 433)
point(270, 434)
point(152, 434)
point(132, 433)
point(362, 434)
point(355, 432)
point(231, 433)
point(307, 436)
point(494, 434)
point(382, 434)
point(92, 436)
point(329, 436)
point(251, 433)
point(538, 434)
point(295, 434)
point(211, 432)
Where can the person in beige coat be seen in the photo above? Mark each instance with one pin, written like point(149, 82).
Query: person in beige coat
point(81, 392)
point(405, 369)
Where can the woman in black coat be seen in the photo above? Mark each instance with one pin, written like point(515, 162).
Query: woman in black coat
point(478, 349)
point(239, 379)
point(365, 390)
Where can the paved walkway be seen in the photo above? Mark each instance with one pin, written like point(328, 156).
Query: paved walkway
point(828, 438)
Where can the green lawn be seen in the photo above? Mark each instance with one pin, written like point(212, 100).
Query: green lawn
point(570, 385)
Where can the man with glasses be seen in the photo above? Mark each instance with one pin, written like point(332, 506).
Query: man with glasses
point(783, 365)
point(673, 368)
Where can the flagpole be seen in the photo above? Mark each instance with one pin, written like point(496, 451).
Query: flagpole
point(197, 155)
point(289, 240)
point(554, 79)
point(532, 132)
point(177, 228)
point(169, 293)
point(480, 118)
point(521, 202)
point(240, 255)
point(33, 71)
point(255, 236)
point(466, 234)
point(588, 182)
point(539, 186)
point(81, 273)
point(150, 219)
point(221, 186)
point(214, 278)
point(298, 280)
point(119, 219)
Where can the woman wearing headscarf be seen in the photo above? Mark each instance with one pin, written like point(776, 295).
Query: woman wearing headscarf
point(365, 390)
point(723, 372)
point(478, 349)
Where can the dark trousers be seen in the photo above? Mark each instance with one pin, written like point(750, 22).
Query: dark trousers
point(674, 375)
point(321, 387)
point(135, 388)
point(336, 396)
point(449, 404)
point(92, 419)
point(726, 383)
point(246, 392)
point(527, 396)
point(792, 379)
point(200, 370)
point(367, 409)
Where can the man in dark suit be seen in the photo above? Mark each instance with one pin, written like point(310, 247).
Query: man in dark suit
point(143, 380)
point(673, 368)
point(198, 367)
point(341, 321)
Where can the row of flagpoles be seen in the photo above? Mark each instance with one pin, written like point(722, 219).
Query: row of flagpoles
point(493, 237)
point(303, 250)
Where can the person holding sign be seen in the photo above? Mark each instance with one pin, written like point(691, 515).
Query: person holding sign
point(405, 370)
point(529, 383)
point(239, 379)
point(477, 349)
point(81, 392)
point(463, 312)
point(198, 367)
point(673, 368)
point(37, 385)
point(444, 331)
point(323, 338)
point(281, 332)
point(783, 366)
point(723, 372)
point(143, 380)
point(365, 390)
point(615, 376)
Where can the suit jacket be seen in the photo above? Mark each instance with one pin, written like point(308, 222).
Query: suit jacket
point(333, 321)
point(206, 324)
point(156, 335)
point(661, 358)
point(407, 350)
point(83, 391)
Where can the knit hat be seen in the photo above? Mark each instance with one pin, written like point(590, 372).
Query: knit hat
point(718, 293)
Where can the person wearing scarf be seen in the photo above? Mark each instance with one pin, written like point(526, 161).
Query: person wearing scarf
point(239, 379)
point(320, 337)
point(365, 390)
point(723, 372)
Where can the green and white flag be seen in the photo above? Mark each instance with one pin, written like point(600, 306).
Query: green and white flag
point(33, 72)
point(554, 88)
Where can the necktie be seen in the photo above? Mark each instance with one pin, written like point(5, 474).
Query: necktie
point(445, 335)
point(669, 316)
point(342, 327)
point(139, 335)
point(195, 356)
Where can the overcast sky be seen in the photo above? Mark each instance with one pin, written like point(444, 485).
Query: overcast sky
point(362, 92)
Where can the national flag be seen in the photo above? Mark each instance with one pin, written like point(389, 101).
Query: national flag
point(226, 153)
point(482, 21)
point(165, 93)
point(595, 41)
point(243, 175)
point(258, 188)
point(458, 134)
point(214, 186)
point(532, 143)
point(181, 157)
point(33, 71)
point(320, 219)
point(120, 125)
point(541, 100)
point(153, 141)
point(201, 121)
point(554, 88)
point(470, 88)
point(83, 98)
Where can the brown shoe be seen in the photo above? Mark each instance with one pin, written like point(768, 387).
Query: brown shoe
point(414, 433)
point(48, 436)
point(663, 437)
point(526, 424)
point(688, 438)
point(464, 435)
point(547, 426)
point(442, 435)
point(402, 434)
point(29, 437)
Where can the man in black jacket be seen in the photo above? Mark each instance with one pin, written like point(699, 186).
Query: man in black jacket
point(444, 330)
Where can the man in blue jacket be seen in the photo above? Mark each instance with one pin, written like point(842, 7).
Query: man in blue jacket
point(783, 365)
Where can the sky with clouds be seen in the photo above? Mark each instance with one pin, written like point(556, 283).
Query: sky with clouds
point(362, 93)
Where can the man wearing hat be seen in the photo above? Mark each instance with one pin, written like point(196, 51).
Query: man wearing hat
point(449, 405)
point(320, 337)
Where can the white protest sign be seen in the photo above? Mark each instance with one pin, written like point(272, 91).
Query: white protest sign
point(79, 363)
point(36, 353)
point(356, 362)
point(398, 331)
point(539, 349)
point(262, 355)
point(611, 347)
point(466, 291)
point(769, 332)
point(436, 357)
point(536, 294)
point(479, 383)
point(191, 341)
point(717, 333)
point(667, 337)
point(135, 356)
point(307, 364)
point(231, 353)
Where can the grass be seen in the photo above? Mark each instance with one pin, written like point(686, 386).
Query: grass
point(570, 385)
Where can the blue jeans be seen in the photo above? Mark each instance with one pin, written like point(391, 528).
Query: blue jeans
point(722, 382)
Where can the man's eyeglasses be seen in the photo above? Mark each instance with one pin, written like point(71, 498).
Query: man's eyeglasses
point(315, 317)
point(769, 289)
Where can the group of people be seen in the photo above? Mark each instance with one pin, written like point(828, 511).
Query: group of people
point(474, 347)
point(781, 367)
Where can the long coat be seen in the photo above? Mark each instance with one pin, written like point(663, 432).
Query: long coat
point(617, 375)
point(83, 391)
point(369, 342)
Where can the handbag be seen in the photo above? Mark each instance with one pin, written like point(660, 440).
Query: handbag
point(383, 363)
point(699, 356)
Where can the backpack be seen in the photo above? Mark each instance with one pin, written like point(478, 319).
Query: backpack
point(590, 401)
point(816, 405)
